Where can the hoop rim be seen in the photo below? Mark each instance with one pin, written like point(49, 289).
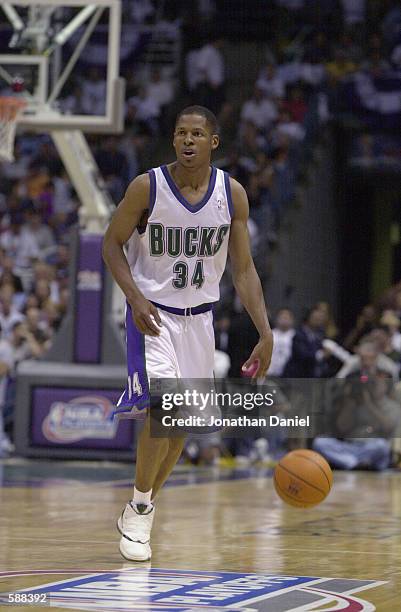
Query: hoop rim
point(10, 109)
point(12, 102)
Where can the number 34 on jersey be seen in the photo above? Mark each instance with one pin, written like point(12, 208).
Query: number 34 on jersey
point(189, 242)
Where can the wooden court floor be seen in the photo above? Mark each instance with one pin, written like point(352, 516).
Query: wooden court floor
point(61, 517)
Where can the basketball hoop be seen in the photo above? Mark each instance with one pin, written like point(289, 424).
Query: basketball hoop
point(10, 110)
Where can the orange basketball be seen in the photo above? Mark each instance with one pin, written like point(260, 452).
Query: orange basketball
point(303, 478)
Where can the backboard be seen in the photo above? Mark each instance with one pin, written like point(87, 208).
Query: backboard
point(62, 57)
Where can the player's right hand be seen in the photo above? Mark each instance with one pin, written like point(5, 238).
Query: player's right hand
point(145, 314)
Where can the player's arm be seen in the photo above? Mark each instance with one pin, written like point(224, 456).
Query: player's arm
point(125, 220)
point(246, 280)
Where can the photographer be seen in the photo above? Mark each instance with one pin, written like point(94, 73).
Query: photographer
point(366, 416)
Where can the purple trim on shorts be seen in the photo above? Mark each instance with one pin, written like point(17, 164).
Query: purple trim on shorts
point(191, 207)
point(229, 194)
point(191, 310)
point(131, 401)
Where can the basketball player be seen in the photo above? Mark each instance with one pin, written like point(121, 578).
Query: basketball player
point(179, 221)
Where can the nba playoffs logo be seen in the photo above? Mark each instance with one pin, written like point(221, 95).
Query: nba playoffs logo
point(157, 590)
point(82, 417)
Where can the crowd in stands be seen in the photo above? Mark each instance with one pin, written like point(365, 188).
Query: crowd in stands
point(364, 412)
point(320, 64)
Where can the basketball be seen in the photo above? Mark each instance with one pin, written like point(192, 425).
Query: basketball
point(303, 478)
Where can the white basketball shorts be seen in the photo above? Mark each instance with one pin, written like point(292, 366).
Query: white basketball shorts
point(184, 349)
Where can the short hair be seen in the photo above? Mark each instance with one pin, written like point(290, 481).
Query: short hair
point(202, 111)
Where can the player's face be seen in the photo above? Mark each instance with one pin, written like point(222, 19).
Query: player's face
point(193, 141)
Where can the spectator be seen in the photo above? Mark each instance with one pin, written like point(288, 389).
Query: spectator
point(307, 353)
point(144, 110)
point(40, 233)
point(43, 292)
point(52, 314)
point(296, 105)
point(366, 417)
point(287, 128)
point(31, 301)
point(365, 322)
point(24, 344)
point(330, 327)
point(368, 360)
point(283, 333)
point(381, 336)
point(269, 82)
point(63, 202)
point(208, 75)
point(93, 93)
point(8, 275)
point(47, 273)
point(21, 248)
point(160, 90)
point(15, 291)
point(259, 111)
point(38, 327)
point(9, 315)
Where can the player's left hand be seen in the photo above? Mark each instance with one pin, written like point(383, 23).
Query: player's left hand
point(261, 354)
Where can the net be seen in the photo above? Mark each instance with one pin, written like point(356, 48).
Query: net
point(10, 109)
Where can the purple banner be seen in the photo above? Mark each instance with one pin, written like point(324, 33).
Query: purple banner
point(78, 418)
point(88, 316)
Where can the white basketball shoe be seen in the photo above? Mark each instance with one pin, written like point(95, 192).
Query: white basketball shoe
point(135, 525)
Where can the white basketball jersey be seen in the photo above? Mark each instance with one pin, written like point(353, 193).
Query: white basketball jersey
point(179, 259)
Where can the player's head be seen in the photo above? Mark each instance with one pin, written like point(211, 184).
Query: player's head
point(195, 136)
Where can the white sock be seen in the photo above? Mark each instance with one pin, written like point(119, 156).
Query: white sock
point(141, 497)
